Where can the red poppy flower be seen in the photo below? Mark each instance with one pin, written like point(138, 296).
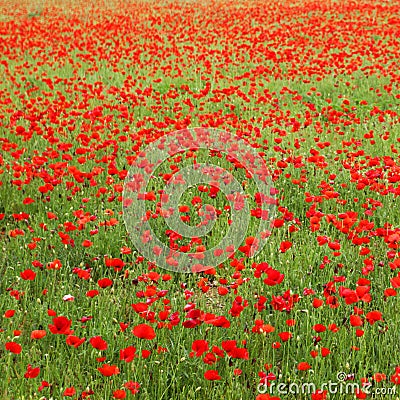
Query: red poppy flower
point(69, 392)
point(333, 328)
point(144, 331)
point(9, 313)
point(105, 282)
point(266, 396)
point(61, 326)
point(123, 326)
point(199, 347)
point(140, 307)
point(28, 200)
point(92, 293)
point(119, 394)
point(359, 332)
point(228, 345)
point(303, 366)
point(356, 320)
point(115, 263)
point(319, 328)
point(314, 353)
point(28, 275)
point(127, 354)
point(395, 378)
point(240, 353)
point(98, 343)
point(133, 387)
point(389, 292)
point(43, 385)
point(31, 372)
point(74, 341)
point(379, 377)
point(222, 290)
point(108, 370)
point(285, 246)
point(373, 316)
point(325, 351)
point(260, 327)
point(319, 395)
point(38, 334)
point(285, 336)
point(212, 375)
point(13, 347)
point(360, 394)
point(220, 321)
point(274, 277)
point(146, 353)
point(56, 264)
point(395, 282)
point(317, 303)
point(210, 359)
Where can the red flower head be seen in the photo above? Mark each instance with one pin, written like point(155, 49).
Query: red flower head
point(69, 392)
point(98, 343)
point(61, 326)
point(38, 334)
point(199, 347)
point(144, 331)
point(108, 370)
point(13, 347)
point(303, 366)
point(31, 372)
point(212, 375)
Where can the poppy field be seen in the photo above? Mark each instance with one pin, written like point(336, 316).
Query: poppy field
point(278, 123)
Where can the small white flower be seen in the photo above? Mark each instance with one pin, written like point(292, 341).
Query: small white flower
point(68, 297)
